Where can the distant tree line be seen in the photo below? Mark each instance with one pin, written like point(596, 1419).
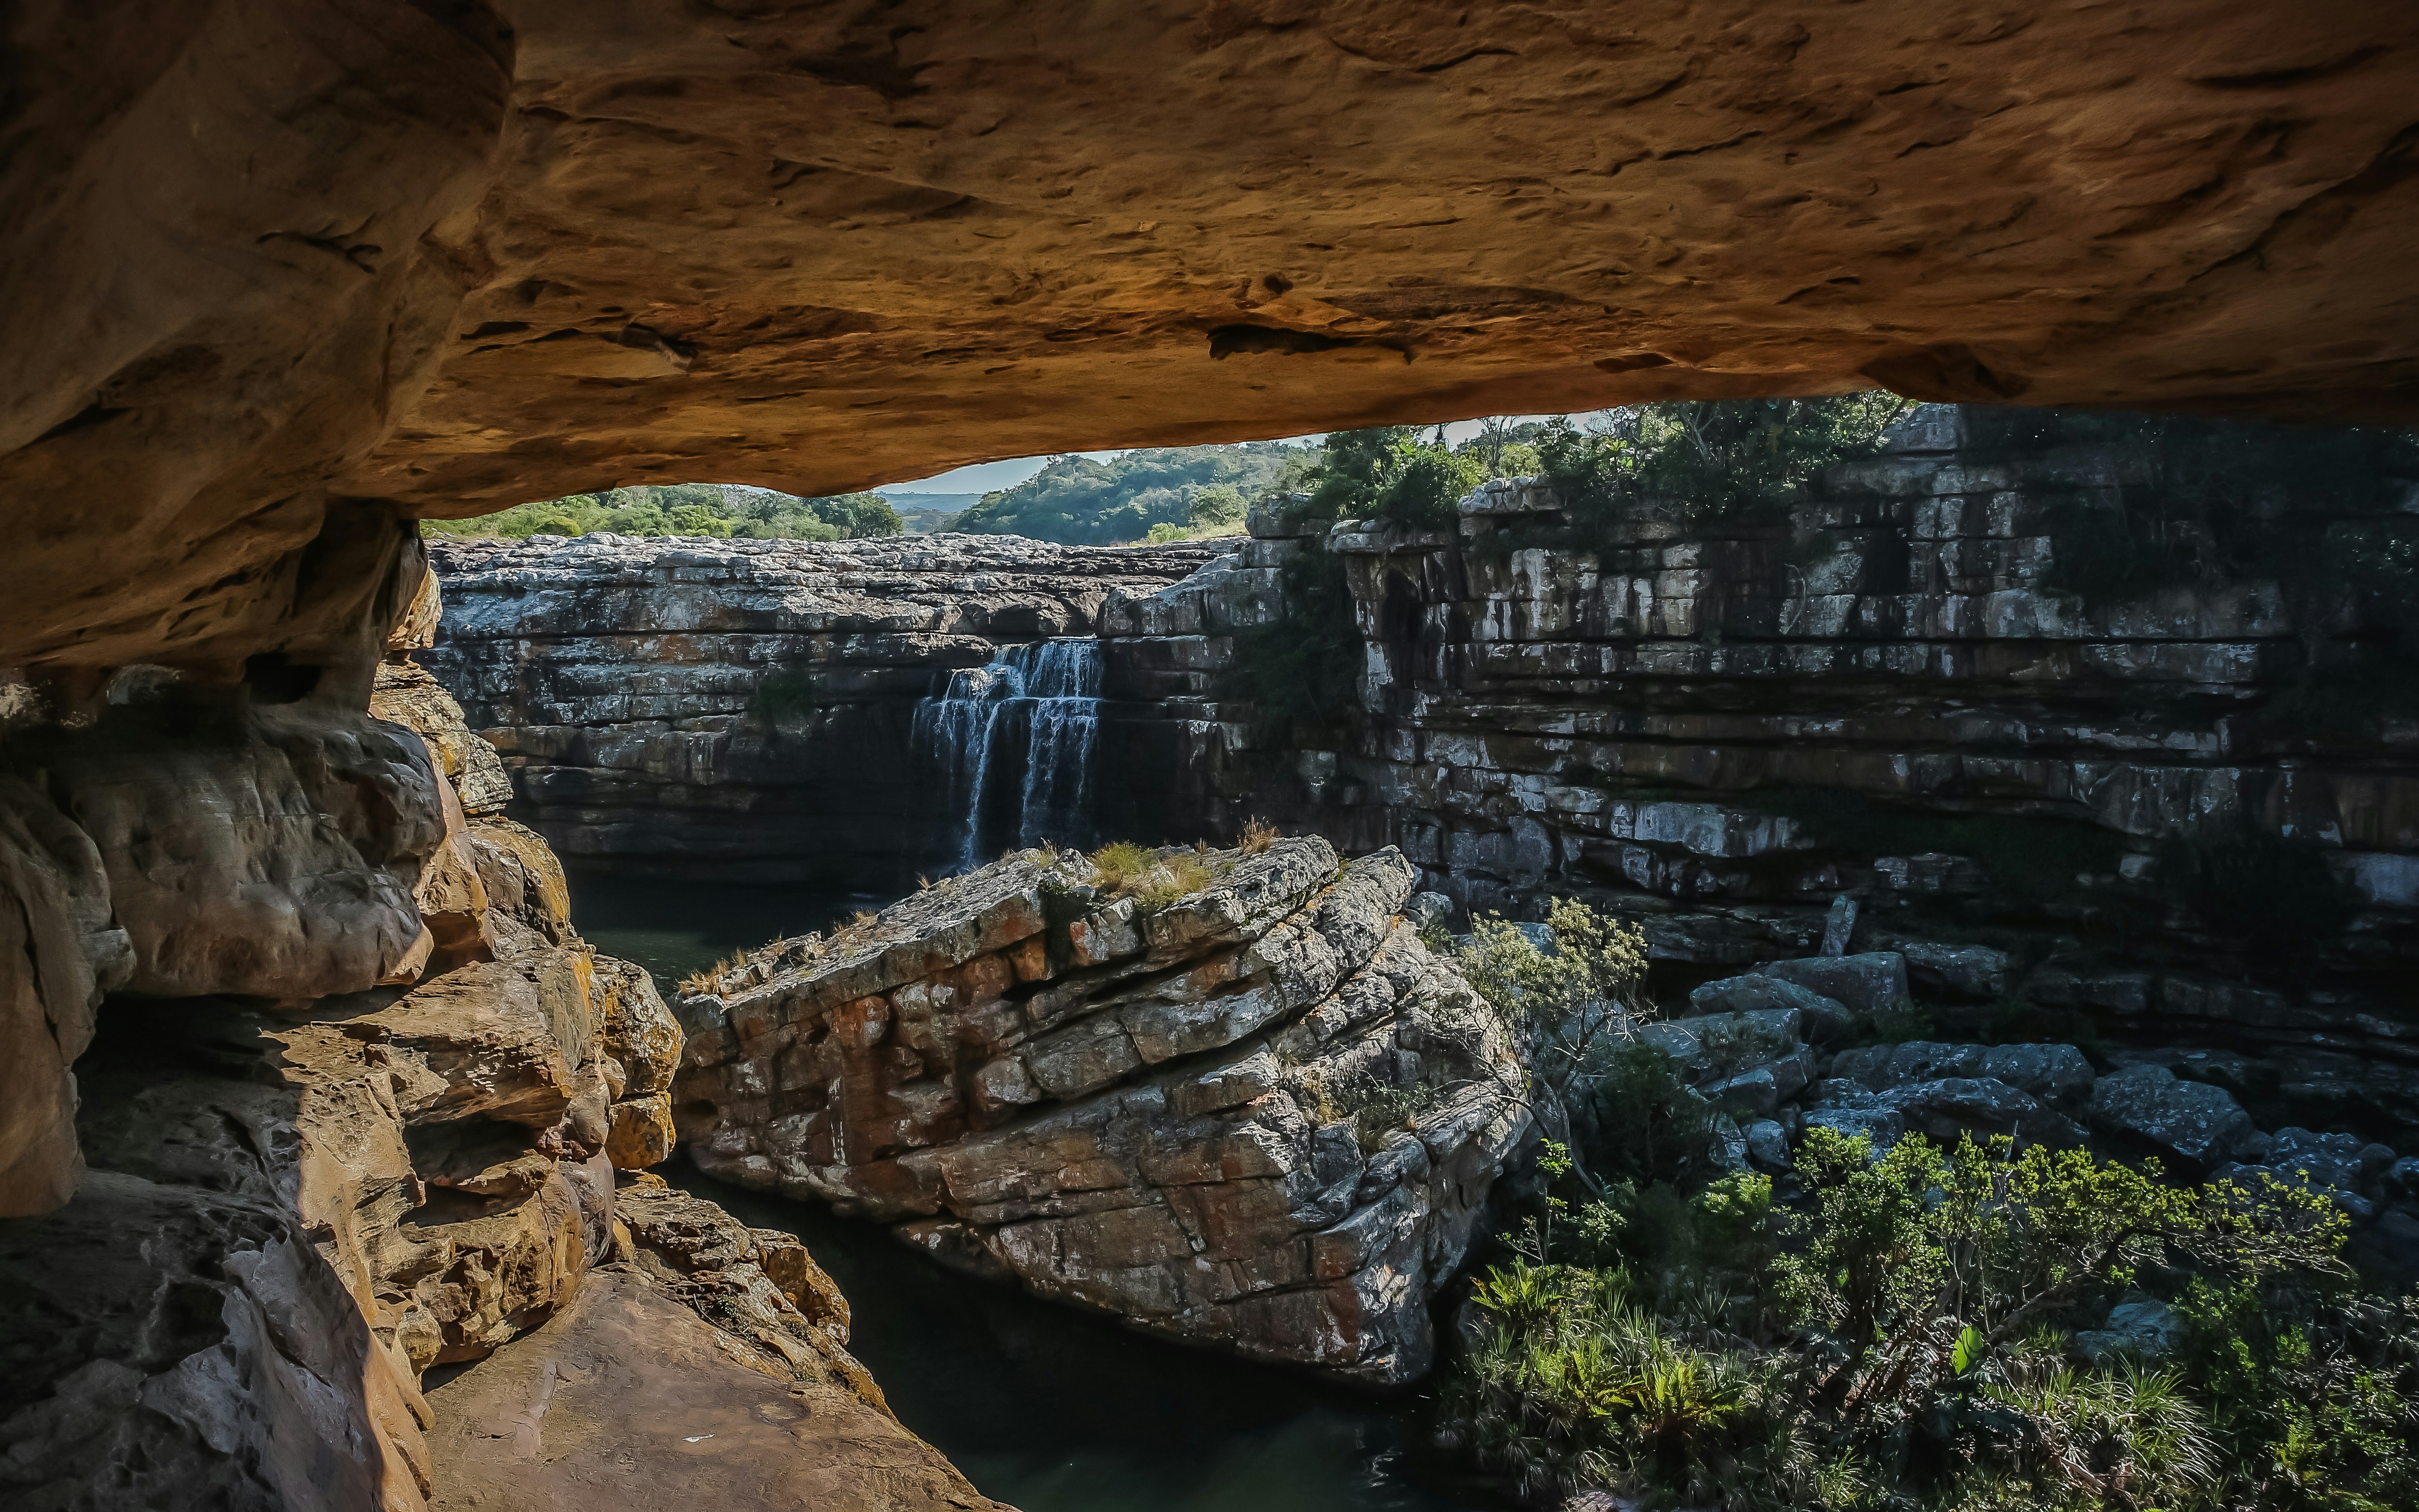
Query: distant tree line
point(1151, 493)
point(710, 509)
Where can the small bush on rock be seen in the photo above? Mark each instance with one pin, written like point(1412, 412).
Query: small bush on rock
point(1571, 1003)
point(1153, 879)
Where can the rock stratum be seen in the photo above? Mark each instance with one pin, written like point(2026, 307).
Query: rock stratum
point(751, 707)
point(1255, 1114)
point(311, 1087)
point(276, 259)
point(1890, 693)
point(1889, 719)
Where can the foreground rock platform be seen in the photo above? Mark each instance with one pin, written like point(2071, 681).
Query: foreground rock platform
point(683, 1373)
point(1251, 1111)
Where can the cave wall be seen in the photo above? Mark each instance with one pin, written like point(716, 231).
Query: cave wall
point(311, 1087)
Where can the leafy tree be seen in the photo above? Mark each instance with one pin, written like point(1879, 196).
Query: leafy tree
point(1712, 457)
point(1570, 1003)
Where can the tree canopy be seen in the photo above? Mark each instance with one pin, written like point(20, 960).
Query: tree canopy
point(1080, 501)
point(709, 509)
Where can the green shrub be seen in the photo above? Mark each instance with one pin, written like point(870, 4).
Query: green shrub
point(1153, 879)
point(2107, 555)
point(1714, 458)
point(783, 696)
point(2031, 857)
point(1087, 500)
point(686, 509)
point(1720, 1349)
point(2314, 1395)
point(1302, 673)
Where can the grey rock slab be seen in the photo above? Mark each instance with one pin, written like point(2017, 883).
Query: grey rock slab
point(1882, 1125)
point(2144, 1330)
point(1822, 1018)
point(1962, 970)
point(2199, 1125)
point(1768, 1145)
point(1866, 983)
point(1715, 1046)
point(1982, 1107)
point(2054, 1073)
point(1758, 1093)
point(1839, 925)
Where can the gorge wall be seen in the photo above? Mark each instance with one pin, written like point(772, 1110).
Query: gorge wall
point(1724, 727)
point(769, 708)
point(2183, 815)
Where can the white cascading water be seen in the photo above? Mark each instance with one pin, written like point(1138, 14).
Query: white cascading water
point(1041, 701)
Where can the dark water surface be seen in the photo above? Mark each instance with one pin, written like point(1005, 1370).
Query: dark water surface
point(1046, 1407)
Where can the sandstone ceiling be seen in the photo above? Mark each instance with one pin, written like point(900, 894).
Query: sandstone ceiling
point(263, 259)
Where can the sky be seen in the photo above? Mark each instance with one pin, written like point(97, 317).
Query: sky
point(984, 477)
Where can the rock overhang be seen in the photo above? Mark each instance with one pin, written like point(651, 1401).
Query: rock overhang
point(538, 250)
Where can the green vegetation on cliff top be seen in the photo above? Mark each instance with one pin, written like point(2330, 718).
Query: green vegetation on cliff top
point(1151, 493)
point(686, 509)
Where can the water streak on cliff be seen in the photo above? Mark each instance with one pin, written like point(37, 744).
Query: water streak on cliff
point(1026, 722)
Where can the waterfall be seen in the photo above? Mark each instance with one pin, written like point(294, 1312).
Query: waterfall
point(1026, 724)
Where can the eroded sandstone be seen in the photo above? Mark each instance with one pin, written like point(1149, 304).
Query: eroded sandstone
point(276, 261)
point(1258, 1115)
point(358, 1110)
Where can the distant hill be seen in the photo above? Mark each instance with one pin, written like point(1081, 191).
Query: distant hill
point(930, 504)
point(1080, 502)
point(924, 513)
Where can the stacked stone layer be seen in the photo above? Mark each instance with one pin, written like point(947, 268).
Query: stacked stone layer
point(1161, 1112)
point(1660, 714)
point(748, 706)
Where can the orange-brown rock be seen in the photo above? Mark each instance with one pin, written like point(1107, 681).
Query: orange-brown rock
point(273, 259)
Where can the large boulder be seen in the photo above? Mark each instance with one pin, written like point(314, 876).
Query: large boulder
point(1982, 1107)
point(1822, 1018)
point(1866, 983)
point(2055, 1073)
point(2198, 1126)
point(1257, 1114)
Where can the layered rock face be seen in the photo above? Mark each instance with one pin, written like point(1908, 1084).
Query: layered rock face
point(1882, 720)
point(1256, 1114)
point(751, 707)
point(347, 1100)
point(277, 257)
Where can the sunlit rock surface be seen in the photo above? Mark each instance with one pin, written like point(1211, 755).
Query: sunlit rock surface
point(1258, 1115)
point(706, 1364)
